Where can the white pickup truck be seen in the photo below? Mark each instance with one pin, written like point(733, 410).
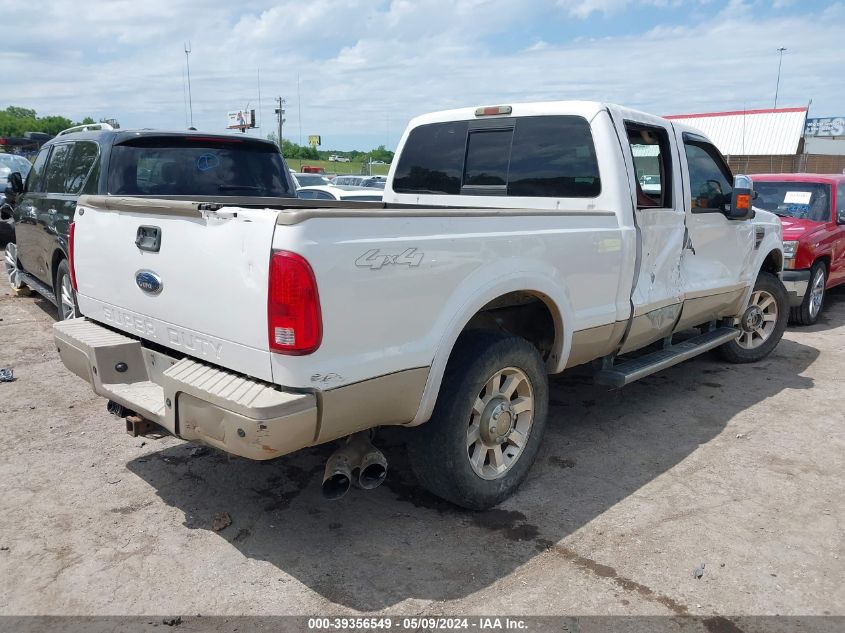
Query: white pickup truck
point(513, 242)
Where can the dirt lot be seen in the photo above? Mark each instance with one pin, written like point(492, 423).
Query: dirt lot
point(741, 468)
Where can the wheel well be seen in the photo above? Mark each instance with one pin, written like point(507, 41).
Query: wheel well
point(773, 262)
point(826, 260)
point(58, 256)
point(522, 314)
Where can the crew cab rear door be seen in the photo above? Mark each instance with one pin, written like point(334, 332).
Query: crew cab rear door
point(657, 296)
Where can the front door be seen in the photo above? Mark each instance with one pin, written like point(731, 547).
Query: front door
point(837, 263)
point(658, 294)
point(717, 249)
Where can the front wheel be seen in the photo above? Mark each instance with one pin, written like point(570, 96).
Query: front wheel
point(762, 323)
point(487, 425)
point(65, 297)
point(811, 307)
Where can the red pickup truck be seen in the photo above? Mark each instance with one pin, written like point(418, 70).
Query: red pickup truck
point(812, 211)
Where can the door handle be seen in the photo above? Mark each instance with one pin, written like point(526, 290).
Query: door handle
point(52, 211)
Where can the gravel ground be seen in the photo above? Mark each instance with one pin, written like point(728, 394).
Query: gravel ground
point(740, 469)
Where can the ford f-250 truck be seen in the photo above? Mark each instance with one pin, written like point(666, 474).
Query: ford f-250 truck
point(514, 242)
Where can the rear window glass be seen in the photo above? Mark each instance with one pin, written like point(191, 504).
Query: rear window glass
point(432, 160)
point(487, 158)
point(200, 166)
point(548, 156)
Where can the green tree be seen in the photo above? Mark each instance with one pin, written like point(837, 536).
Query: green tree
point(20, 113)
point(16, 121)
point(382, 154)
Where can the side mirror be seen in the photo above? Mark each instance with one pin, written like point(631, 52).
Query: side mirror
point(840, 216)
point(743, 194)
point(16, 182)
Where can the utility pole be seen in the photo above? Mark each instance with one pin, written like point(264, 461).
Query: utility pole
point(280, 113)
point(777, 85)
point(188, 64)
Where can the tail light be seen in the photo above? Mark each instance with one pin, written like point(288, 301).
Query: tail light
point(294, 322)
point(70, 249)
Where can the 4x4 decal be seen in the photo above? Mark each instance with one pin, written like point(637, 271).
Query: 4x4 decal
point(375, 259)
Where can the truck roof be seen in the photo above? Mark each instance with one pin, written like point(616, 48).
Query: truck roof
point(586, 109)
point(826, 178)
point(120, 135)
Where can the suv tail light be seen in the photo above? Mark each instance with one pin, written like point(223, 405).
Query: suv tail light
point(294, 322)
point(70, 243)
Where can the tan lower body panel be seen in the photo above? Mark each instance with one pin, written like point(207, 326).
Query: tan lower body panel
point(651, 326)
point(698, 310)
point(594, 342)
point(386, 400)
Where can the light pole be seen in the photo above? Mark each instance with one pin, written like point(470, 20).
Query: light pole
point(188, 64)
point(280, 111)
point(777, 85)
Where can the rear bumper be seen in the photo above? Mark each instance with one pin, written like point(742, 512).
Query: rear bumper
point(796, 282)
point(190, 399)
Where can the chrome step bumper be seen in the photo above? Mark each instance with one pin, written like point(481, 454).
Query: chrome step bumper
point(188, 398)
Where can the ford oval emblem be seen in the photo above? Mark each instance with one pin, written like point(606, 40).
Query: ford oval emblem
point(149, 282)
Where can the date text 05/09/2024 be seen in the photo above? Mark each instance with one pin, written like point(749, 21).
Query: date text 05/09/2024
point(480, 623)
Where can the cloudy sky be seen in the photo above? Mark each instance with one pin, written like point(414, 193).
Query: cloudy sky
point(358, 70)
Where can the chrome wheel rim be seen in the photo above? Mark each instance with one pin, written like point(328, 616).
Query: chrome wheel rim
point(759, 320)
point(817, 293)
point(11, 263)
point(500, 423)
point(68, 307)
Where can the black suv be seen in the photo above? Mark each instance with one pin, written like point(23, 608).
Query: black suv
point(142, 163)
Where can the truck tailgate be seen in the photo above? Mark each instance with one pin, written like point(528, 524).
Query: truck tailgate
point(202, 293)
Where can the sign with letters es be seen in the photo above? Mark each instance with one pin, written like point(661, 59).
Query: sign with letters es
point(832, 126)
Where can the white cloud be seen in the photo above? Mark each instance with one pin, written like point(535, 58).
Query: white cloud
point(365, 67)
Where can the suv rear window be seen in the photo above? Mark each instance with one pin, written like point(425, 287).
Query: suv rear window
point(196, 166)
point(543, 156)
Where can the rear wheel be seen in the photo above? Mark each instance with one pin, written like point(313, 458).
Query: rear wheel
point(65, 297)
point(762, 323)
point(10, 261)
point(488, 422)
point(811, 307)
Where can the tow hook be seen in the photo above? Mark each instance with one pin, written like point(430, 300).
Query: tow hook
point(136, 425)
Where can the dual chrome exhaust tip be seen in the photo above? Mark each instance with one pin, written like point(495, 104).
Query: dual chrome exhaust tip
point(357, 463)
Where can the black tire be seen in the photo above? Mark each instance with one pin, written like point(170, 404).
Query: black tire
point(62, 272)
point(807, 313)
point(733, 352)
point(438, 449)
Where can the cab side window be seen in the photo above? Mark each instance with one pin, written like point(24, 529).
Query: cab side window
point(35, 179)
point(709, 177)
point(840, 199)
point(56, 173)
point(652, 157)
point(82, 160)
